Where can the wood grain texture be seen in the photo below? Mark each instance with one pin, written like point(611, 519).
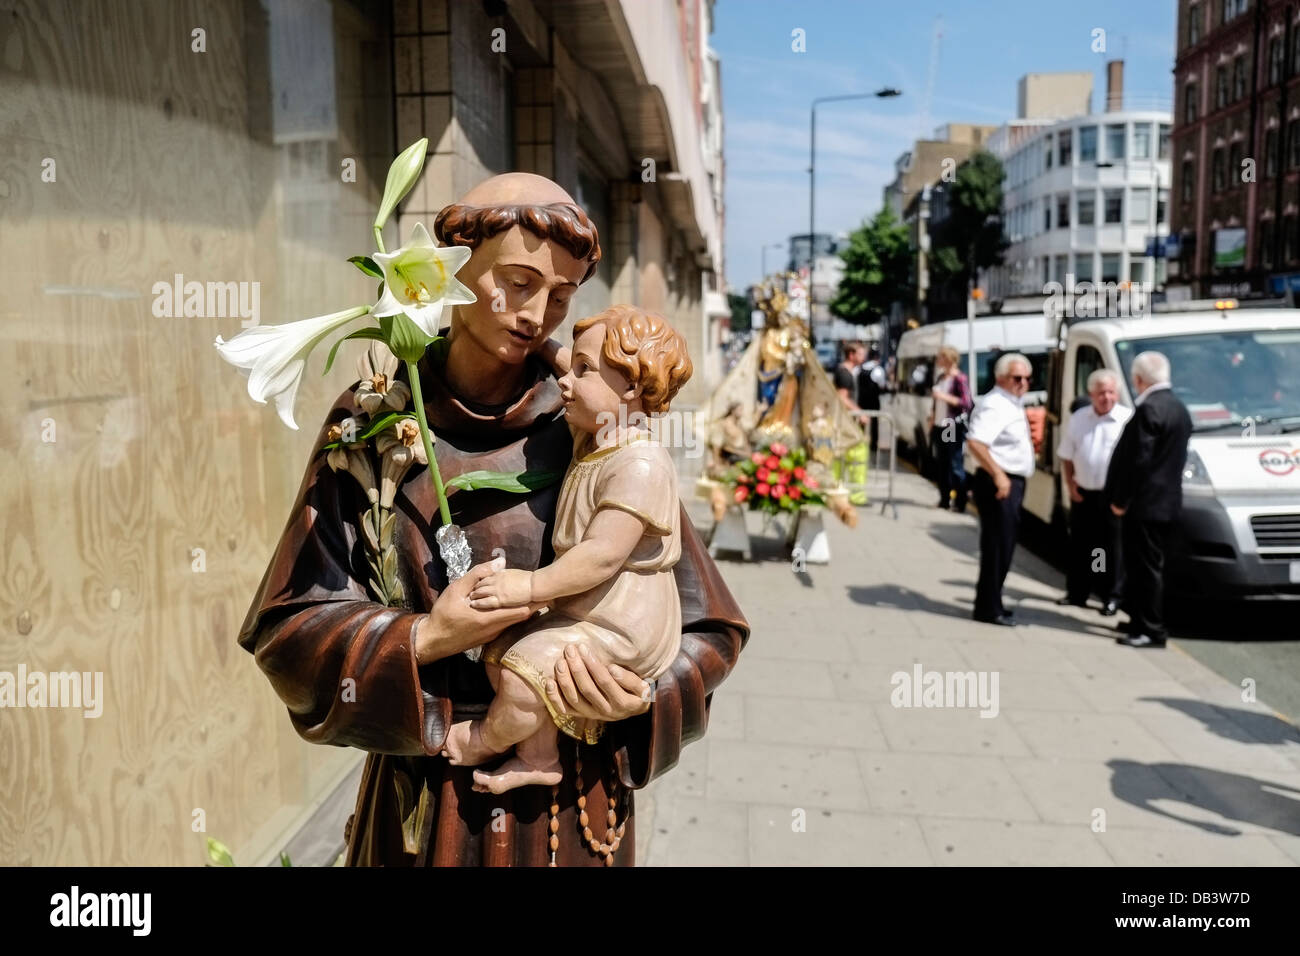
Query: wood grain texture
point(168, 161)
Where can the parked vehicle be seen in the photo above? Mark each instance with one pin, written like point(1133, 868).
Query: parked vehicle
point(1238, 372)
point(994, 335)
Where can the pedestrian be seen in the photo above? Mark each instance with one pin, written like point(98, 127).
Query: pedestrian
point(872, 383)
point(950, 407)
point(999, 441)
point(846, 374)
point(1094, 565)
point(1144, 487)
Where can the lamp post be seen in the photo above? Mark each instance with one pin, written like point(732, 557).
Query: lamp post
point(770, 245)
point(886, 92)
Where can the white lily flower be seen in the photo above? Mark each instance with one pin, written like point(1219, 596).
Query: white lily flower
point(420, 278)
point(274, 356)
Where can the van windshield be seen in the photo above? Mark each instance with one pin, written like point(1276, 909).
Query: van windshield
point(1227, 377)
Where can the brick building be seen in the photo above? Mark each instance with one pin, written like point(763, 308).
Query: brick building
point(1236, 148)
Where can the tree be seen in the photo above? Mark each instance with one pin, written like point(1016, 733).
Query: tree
point(971, 237)
point(742, 311)
point(877, 270)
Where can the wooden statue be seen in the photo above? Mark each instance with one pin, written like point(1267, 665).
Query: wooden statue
point(618, 510)
point(392, 681)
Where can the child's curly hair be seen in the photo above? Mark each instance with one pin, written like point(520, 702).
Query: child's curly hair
point(646, 349)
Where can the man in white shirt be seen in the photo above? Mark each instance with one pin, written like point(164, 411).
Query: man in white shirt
point(999, 440)
point(1095, 564)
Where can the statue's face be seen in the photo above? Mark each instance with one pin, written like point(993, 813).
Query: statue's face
point(592, 389)
point(524, 285)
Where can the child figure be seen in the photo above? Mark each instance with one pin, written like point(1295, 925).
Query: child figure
point(611, 588)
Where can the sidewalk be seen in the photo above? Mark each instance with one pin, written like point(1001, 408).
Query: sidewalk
point(1099, 754)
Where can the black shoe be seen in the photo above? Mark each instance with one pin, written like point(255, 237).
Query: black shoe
point(1068, 601)
point(1140, 640)
point(1124, 627)
point(1002, 620)
point(1110, 609)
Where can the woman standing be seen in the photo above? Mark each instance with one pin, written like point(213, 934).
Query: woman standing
point(948, 417)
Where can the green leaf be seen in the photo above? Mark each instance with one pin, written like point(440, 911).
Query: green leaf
point(407, 340)
point(218, 854)
point(382, 422)
point(284, 859)
point(402, 175)
point(366, 333)
point(367, 265)
point(518, 482)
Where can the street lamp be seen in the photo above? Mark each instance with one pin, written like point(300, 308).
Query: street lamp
point(770, 245)
point(886, 92)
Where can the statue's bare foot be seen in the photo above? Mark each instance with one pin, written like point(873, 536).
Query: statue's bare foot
point(516, 772)
point(464, 745)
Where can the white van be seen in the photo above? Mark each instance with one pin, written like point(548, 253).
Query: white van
point(1238, 372)
point(994, 335)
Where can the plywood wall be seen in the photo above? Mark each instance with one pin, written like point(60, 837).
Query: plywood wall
point(219, 166)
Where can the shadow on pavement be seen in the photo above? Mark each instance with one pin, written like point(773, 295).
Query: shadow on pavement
point(1234, 723)
point(1232, 796)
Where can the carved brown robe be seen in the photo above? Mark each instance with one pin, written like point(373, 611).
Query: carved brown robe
point(313, 624)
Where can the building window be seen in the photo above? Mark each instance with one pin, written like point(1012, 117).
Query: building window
point(1087, 144)
point(1110, 266)
point(1292, 144)
point(1114, 205)
point(1136, 271)
point(1162, 207)
point(1270, 152)
point(1083, 267)
point(1086, 208)
point(1062, 265)
point(1232, 8)
point(1141, 140)
point(1063, 211)
point(1234, 164)
point(1218, 172)
point(1047, 214)
point(1193, 25)
point(1115, 142)
point(1162, 151)
point(1265, 252)
point(1220, 87)
point(1288, 240)
point(1139, 205)
point(1189, 103)
point(1047, 262)
point(1048, 148)
point(1275, 61)
point(1063, 144)
point(1188, 178)
point(1238, 78)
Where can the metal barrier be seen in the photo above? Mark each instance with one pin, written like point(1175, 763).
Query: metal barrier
point(865, 413)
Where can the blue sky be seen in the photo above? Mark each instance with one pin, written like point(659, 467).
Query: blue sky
point(858, 46)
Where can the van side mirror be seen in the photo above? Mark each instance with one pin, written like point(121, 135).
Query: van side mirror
point(1055, 378)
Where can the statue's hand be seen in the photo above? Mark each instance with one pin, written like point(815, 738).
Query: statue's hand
point(585, 687)
point(510, 588)
point(453, 625)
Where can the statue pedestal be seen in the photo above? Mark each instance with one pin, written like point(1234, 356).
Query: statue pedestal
point(730, 534)
point(810, 537)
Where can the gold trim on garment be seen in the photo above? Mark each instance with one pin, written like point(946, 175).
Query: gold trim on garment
point(534, 678)
point(602, 452)
point(650, 522)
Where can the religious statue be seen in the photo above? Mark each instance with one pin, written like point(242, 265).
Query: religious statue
point(618, 510)
point(378, 665)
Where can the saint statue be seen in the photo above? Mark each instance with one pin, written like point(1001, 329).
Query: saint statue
point(393, 680)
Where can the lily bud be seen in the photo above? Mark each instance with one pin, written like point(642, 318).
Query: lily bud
point(401, 177)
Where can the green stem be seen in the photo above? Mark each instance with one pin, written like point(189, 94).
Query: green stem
point(414, 374)
point(379, 238)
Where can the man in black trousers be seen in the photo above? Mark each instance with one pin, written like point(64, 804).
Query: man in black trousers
point(999, 440)
point(1144, 486)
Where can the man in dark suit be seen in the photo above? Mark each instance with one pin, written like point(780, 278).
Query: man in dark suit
point(1144, 486)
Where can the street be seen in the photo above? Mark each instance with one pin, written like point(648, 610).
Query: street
point(1097, 754)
